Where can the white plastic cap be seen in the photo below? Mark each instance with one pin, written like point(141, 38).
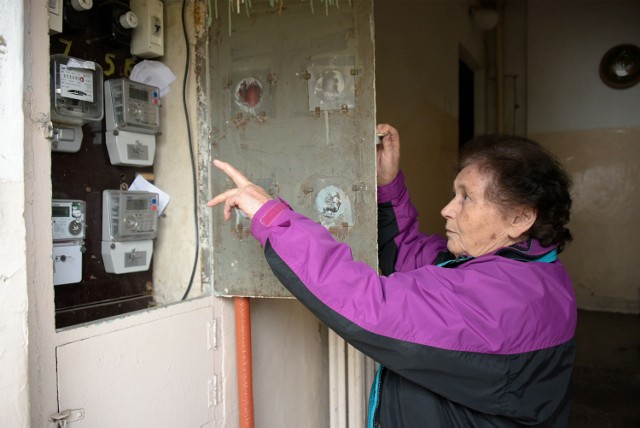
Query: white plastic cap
point(129, 20)
point(82, 5)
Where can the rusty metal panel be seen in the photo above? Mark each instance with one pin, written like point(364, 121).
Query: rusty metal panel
point(293, 106)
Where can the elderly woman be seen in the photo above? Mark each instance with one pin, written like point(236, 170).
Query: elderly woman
point(473, 330)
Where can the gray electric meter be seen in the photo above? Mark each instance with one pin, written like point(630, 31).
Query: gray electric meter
point(76, 90)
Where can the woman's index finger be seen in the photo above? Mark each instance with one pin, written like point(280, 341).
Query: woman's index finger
point(238, 178)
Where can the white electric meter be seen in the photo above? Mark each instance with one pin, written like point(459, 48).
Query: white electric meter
point(132, 121)
point(68, 218)
point(129, 226)
point(76, 90)
point(76, 98)
point(129, 215)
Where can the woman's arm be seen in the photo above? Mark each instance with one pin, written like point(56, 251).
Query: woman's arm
point(401, 246)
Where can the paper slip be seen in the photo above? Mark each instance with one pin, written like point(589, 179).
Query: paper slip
point(140, 183)
point(153, 73)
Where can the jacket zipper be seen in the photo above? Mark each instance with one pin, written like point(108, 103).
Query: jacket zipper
point(374, 399)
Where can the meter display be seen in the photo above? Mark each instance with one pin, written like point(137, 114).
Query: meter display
point(132, 106)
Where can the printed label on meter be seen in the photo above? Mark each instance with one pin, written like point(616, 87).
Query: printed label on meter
point(76, 83)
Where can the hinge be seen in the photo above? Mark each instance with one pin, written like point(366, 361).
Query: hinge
point(214, 396)
point(212, 334)
point(63, 418)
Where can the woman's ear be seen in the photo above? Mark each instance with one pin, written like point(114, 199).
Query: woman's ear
point(522, 220)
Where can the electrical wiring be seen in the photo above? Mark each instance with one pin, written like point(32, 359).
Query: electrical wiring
point(191, 154)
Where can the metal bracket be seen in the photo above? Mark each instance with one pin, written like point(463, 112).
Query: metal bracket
point(70, 415)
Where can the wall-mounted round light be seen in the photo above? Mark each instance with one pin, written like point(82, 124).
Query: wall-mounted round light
point(620, 66)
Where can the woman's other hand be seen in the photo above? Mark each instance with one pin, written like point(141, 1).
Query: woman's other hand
point(247, 197)
point(387, 154)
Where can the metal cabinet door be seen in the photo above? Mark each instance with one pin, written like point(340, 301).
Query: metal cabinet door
point(293, 107)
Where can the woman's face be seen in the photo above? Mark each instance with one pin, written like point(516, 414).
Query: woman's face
point(475, 225)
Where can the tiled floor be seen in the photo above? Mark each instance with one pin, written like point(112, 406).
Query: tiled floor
point(606, 381)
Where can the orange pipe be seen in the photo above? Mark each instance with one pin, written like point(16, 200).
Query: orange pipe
point(243, 356)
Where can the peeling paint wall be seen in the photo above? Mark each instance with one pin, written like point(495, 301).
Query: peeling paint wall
point(14, 394)
point(37, 215)
point(295, 111)
point(175, 249)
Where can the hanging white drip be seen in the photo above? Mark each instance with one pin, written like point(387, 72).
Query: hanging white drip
point(234, 6)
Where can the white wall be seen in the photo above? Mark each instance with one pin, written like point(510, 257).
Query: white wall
point(14, 391)
point(290, 365)
point(567, 40)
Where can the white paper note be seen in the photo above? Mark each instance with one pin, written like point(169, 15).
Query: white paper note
point(141, 184)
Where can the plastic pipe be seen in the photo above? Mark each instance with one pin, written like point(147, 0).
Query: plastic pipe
point(244, 363)
point(337, 381)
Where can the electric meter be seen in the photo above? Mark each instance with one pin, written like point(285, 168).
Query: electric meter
point(132, 121)
point(129, 226)
point(76, 90)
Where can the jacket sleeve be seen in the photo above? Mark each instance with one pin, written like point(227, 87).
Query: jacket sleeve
point(401, 246)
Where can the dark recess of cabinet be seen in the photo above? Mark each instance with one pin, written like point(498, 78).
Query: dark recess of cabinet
point(84, 175)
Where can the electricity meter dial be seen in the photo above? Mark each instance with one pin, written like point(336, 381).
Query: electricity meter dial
point(75, 227)
point(130, 222)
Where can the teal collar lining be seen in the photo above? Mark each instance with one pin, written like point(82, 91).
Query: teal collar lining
point(549, 257)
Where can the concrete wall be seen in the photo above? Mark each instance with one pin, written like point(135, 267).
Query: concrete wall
point(594, 130)
point(14, 391)
point(418, 45)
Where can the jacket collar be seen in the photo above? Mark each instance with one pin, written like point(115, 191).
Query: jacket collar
point(525, 251)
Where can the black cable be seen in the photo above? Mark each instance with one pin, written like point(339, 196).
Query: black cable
point(193, 164)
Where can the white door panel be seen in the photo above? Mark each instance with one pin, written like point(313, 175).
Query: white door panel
point(152, 375)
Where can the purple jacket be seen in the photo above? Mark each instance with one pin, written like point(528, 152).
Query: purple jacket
point(485, 341)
